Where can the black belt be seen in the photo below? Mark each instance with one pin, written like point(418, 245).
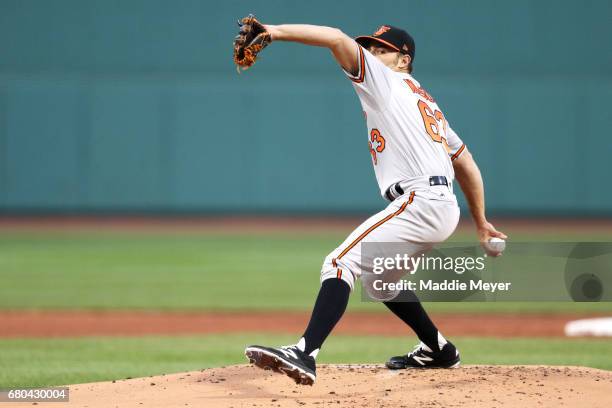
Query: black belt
point(395, 190)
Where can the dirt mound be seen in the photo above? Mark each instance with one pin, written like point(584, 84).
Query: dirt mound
point(357, 386)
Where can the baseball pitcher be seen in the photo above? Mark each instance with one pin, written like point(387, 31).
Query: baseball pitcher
point(416, 156)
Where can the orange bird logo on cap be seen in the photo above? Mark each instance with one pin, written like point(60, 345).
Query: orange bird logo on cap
point(381, 30)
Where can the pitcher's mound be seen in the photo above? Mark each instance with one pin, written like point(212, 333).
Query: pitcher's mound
point(358, 386)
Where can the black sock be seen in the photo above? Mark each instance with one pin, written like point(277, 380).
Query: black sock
point(408, 308)
point(328, 309)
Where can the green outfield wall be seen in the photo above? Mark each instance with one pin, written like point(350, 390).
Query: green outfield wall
point(136, 105)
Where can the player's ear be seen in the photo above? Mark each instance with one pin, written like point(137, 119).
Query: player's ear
point(405, 62)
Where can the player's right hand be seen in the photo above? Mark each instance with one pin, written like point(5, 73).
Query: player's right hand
point(486, 231)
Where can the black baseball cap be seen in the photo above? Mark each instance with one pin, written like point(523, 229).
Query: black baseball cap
point(393, 37)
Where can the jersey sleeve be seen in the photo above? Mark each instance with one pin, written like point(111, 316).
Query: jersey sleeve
point(373, 80)
point(456, 145)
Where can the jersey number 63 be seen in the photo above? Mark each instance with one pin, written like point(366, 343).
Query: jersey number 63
point(434, 122)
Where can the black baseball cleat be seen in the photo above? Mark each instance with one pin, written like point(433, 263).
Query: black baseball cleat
point(423, 357)
point(289, 360)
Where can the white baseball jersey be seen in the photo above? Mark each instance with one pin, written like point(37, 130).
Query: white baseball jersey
point(407, 132)
point(410, 140)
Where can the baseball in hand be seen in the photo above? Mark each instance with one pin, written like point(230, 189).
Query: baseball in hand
point(495, 246)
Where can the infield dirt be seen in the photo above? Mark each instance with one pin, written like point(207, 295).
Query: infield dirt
point(55, 323)
point(356, 386)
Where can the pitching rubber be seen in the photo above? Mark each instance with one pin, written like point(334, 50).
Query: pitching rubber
point(391, 367)
point(268, 361)
point(456, 365)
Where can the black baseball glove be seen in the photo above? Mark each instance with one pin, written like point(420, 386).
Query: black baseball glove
point(252, 38)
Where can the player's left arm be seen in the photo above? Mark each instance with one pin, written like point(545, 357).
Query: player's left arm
point(343, 47)
point(469, 177)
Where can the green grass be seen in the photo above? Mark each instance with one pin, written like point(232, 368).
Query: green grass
point(209, 272)
point(46, 362)
point(191, 271)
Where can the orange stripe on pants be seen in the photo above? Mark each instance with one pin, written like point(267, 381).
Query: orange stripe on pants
point(372, 228)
